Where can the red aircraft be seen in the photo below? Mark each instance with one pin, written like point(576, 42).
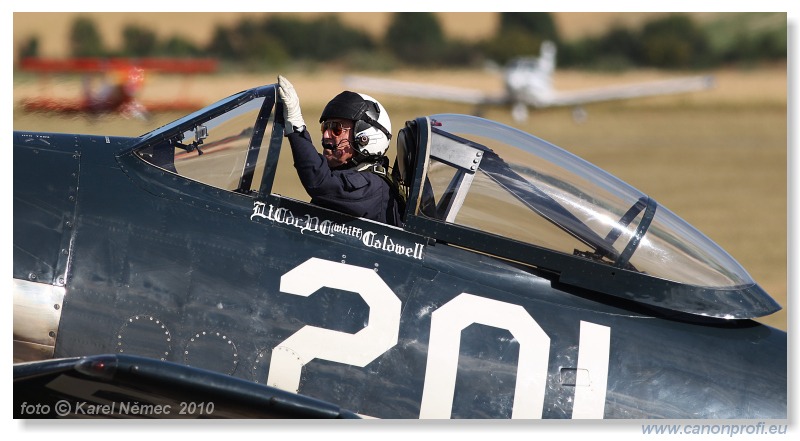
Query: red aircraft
point(119, 95)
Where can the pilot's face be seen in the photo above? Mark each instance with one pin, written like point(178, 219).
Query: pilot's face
point(337, 141)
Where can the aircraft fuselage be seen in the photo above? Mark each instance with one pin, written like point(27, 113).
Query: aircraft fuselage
point(376, 319)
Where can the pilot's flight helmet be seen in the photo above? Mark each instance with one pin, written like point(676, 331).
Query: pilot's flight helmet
point(373, 129)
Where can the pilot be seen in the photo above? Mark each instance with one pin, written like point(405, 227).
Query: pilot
point(350, 175)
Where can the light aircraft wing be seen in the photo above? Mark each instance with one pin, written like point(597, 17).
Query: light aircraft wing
point(621, 92)
point(126, 386)
point(426, 91)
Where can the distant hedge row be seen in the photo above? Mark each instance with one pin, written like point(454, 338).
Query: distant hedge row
point(417, 39)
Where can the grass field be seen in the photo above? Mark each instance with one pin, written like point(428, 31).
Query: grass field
point(718, 159)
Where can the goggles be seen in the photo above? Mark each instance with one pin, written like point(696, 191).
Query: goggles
point(335, 127)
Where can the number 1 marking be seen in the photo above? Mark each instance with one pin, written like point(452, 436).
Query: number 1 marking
point(593, 352)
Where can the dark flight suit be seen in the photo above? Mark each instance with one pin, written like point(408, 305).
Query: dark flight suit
point(363, 194)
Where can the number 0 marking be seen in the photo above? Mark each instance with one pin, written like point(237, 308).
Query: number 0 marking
point(447, 323)
point(310, 342)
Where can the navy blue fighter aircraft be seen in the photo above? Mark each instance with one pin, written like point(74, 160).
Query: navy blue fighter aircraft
point(170, 270)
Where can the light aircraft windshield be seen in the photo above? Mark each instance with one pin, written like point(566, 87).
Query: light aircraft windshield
point(497, 179)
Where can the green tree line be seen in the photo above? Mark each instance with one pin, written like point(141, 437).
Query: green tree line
point(417, 39)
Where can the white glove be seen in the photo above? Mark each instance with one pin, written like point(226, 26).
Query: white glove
point(291, 105)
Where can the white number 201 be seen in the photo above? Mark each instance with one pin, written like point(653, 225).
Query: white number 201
point(447, 322)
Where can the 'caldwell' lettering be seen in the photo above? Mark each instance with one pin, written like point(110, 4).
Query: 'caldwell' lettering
point(370, 239)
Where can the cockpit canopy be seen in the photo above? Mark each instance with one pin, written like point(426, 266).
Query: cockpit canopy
point(539, 204)
point(491, 188)
point(494, 178)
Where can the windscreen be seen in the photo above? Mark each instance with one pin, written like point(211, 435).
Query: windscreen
point(218, 151)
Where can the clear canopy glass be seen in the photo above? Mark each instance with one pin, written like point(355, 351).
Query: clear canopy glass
point(498, 179)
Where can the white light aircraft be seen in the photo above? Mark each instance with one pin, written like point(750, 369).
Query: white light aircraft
point(529, 83)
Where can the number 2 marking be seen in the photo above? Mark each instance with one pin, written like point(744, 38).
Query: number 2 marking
point(311, 342)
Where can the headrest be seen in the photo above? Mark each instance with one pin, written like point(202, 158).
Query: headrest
point(407, 151)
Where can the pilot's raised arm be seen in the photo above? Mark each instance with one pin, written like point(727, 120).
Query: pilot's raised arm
point(350, 175)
